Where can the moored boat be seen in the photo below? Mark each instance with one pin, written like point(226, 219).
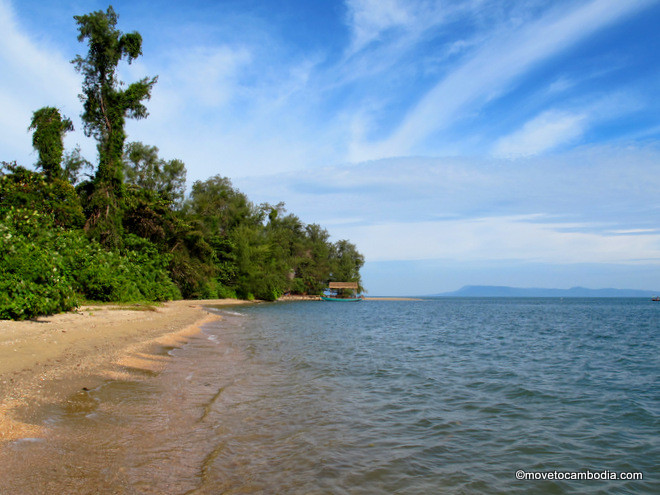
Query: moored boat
point(341, 299)
point(342, 292)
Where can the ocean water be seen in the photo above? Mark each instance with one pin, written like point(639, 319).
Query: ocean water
point(406, 397)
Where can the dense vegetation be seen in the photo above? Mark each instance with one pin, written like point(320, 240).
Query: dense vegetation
point(128, 232)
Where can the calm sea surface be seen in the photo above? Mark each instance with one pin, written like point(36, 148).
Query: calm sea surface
point(408, 397)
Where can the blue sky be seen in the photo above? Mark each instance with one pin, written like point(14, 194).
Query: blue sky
point(456, 142)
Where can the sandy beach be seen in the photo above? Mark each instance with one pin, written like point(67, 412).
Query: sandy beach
point(49, 358)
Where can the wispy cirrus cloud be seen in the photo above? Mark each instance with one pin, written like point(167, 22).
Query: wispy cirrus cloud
point(491, 71)
point(370, 18)
point(554, 129)
point(544, 132)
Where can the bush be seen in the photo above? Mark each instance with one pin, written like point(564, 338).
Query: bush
point(32, 278)
point(46, 269)
point(22, 188)
point(226, 293)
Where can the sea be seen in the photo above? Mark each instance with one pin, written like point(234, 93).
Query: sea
point(430, 396)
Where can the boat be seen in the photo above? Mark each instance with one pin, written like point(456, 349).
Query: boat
point(341, 299)
point(655, 298)
point(341, 287)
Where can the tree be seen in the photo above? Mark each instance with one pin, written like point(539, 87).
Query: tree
point(143, 168)
point(313, 269)
point(106, 106)
point(219, 207)
point(73, 164)
point(49, 129)
point(346, 262)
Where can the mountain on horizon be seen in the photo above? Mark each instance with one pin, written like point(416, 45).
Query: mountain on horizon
point(504, 291)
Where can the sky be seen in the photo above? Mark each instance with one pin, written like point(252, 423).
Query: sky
point(457, 142)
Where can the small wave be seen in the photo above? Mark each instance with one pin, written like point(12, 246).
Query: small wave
point(231, 313)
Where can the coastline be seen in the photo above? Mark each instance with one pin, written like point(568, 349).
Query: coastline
point(49, 358)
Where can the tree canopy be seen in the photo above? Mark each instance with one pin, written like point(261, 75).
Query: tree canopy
point(143, 168)
point(128, 232)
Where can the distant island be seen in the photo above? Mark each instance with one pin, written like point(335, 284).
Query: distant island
point(503, 291)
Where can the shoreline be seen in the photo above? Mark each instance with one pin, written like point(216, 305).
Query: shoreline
point(49, 358)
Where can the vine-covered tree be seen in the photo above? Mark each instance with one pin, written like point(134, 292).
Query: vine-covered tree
point(106, 105)
point(49, 128)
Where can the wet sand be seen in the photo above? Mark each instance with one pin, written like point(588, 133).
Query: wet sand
point(48, 359)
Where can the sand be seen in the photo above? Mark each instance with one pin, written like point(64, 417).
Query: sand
point(49, 358)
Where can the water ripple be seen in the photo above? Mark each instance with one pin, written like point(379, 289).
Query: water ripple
point(449, 396)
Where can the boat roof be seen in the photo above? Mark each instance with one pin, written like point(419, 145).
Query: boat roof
point(343, 285)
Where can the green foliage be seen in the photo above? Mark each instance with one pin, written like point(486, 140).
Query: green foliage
point(346, 262)
point(73, 164)
point(149, 215)
point(127, 235)
point(22, 188)
point(104, 211)
point(139, 273)
point(106, 106)
point(143, 168)
point(49, 129)
point(46, 269)
point(32, 278)
point(219, 208)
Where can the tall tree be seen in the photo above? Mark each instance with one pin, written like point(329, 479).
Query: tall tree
point(143, 168)
point(106, 105)
point(314, 268)
point(49, 128)
point(346, 262)
point(219, 207)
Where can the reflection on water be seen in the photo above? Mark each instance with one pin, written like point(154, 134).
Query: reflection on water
point(378, 397)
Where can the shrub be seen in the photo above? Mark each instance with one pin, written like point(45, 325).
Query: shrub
point(22, 188)
point(46, 269)
point(32, 278)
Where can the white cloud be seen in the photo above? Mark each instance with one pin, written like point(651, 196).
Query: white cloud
point(32, 76)
point(555, 128)
point(491, 70)
point(209, 75)
point(370, 18)
point(521, 238)
point(543, 133)
point(30, 66)
point(578, 206)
